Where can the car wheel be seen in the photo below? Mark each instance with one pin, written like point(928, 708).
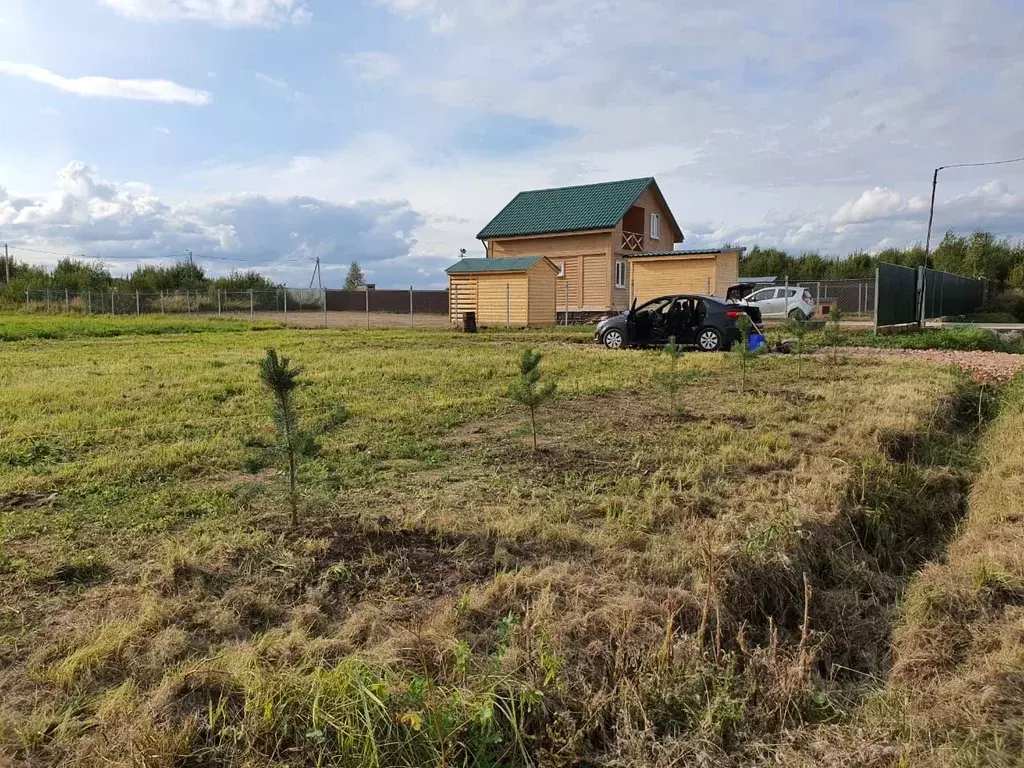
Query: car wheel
point(709, 340)
point(797, 314)
point(613, 339)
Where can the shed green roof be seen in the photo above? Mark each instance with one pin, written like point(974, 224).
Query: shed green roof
point(493, 265)
point(566, 209)
point(694, 252)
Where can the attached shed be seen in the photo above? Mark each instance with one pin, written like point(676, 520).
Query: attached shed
point(660, 273)
point(504, 292)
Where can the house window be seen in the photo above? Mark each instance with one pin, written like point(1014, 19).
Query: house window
point(561, 268)
point(620, 274)
point(655, 226)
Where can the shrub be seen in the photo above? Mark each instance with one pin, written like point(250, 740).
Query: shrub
point(1007, 302)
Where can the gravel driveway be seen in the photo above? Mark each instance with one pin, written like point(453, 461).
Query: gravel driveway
point(988, 367)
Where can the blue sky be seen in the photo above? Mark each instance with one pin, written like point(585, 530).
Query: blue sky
point(389, 131)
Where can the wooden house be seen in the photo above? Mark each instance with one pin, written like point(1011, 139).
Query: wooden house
point(507, 292)
point(709, 272)
point(588, 232)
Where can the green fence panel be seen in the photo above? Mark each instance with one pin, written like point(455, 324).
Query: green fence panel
point(897, 295)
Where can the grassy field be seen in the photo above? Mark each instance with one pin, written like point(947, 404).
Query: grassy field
point(19, 326)
point(715, 586)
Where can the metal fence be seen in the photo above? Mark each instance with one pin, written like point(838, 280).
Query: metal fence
point(897, 295)
point(851, 296)
point(944, 294)
point(295, 306)
point(909, 296)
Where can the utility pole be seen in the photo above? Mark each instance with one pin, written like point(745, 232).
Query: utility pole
point(7, 265)
point(935, 182)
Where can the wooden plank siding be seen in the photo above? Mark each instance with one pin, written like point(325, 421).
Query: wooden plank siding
point(728, 272)
point(663, 276)
point(667, 240)
point(553, 246)
point(569, 284)
point(502, 299)
point(595, 282)
point(541, 295)
point(461, 296)
point(620, 296)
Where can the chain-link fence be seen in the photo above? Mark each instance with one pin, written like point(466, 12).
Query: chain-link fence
point(850, 296)
point(293, 306)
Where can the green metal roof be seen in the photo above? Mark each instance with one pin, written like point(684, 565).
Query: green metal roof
point(493, 265)
point(566, 209)
point(695, 252)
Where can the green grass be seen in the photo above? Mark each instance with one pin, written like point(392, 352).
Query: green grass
point(633, 593)
point(19, 326)
point(965, 339)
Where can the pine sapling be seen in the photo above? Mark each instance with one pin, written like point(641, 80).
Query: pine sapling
point(834, 333)
point(528, 390)
point(796, 328)
point(281, 378)
point(743, 350)
point(671, 379)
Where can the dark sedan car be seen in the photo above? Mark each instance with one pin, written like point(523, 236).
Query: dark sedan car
point(706, 322)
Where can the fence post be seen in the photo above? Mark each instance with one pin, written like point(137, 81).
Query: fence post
point(922, 296)
point(787, 296)
point(88, 300)
point(412, 321)
point(138, 309)
point(877, 270)
point(67, 302)
point(323, 299)
point(817, 291)
point(113, 302)
point(26, 301)
point(285, 303)
point(218, 302)
point(162, 310)
point(367, 292)
point(47, 300)
point(252, 306)
point(508, 305)
point(188, 305)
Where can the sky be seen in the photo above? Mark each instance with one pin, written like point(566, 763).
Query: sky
point(267, 133)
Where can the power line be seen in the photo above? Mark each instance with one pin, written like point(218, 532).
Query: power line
point(977, 165)
point(935, 183)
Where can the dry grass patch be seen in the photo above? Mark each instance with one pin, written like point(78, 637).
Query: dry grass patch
point(645, 590)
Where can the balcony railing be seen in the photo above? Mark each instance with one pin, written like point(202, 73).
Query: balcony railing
point(633, 241)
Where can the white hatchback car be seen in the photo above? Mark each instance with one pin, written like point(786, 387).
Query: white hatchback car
point(780, 302)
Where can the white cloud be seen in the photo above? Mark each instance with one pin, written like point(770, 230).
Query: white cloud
point(129, 223)
point(162, 129)
point(876, 203)
point(141, 90)
point(375, 66)
point(277, 83)
point(226, 12)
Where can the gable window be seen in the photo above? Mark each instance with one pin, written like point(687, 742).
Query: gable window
point(655, 226)
point(620, 274)
point(561, 268)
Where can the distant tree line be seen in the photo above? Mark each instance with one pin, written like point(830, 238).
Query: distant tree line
point(980, 254)
point(78, 276)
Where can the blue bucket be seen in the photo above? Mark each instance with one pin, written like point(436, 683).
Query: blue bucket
point(756, 341)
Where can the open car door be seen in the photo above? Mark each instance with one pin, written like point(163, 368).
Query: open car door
point(631, 323)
